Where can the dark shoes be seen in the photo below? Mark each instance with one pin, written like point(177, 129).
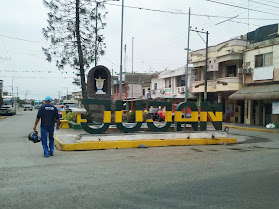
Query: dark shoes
point(51, 154)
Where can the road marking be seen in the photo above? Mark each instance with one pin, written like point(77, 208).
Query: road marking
point(251, 129)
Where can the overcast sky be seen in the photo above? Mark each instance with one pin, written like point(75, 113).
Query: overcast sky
point(159, 38)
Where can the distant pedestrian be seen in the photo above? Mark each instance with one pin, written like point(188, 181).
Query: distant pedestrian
point(48, 115)
point(228, 114)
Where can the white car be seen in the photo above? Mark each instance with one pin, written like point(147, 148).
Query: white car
point(28, 107)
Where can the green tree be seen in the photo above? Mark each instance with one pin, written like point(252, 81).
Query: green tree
point(1, 99)
point(20, 102)
point(72, 32)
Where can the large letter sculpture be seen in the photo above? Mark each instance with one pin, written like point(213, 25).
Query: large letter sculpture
point(214, 114)
point(107, 116)
point(208, 112)
point(168, 116)
point(118, 117)
point(194, 116)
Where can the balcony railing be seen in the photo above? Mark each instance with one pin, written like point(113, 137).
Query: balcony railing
point(198, 86)
point(229, 84)
point(221, 84)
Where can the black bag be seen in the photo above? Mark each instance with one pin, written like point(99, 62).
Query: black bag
point(33, 136)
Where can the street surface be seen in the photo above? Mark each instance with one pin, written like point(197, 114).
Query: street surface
point(244, 175)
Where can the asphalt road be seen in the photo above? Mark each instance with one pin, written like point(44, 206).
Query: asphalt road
point(245, 175)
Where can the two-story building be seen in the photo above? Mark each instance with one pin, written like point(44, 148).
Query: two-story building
point(170, 84)
point(224, 61)
point(260, 75)
point(132, 86)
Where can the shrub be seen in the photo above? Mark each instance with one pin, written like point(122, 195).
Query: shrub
point(131, 116)
point(71, 116)
point(145, 116)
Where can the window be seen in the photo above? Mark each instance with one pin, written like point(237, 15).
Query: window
point(231, 71)
point(143, 92)
point(180, 81)
point(210, 75)
point(268, 59)
point(259, 60)
point(168, 83)
point(197, 73)
point(155, 86)
point(262, 60)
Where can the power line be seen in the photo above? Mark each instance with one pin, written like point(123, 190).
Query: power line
point(185, 13)
point(271, 2)
point(232, 5)
point(265, 4)
point(21, 39)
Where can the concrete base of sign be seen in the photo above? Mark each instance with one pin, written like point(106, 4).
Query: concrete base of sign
point(74, 141)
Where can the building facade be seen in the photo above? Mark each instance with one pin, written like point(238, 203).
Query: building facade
point(261, 79)
point(132, 86)
point(170, 84)
point(224, 61)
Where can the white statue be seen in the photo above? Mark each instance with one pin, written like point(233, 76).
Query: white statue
point(100, 85)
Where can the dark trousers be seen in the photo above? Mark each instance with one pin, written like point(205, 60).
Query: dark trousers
point(44, 131)
point(227, 118)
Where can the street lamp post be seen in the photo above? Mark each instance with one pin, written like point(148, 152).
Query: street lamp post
point(121, 52)
point(133, 67)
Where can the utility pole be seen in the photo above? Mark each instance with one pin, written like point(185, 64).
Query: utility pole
point(187, 66)
point(206, 58)
point(120, 82)
point(26, 95)
point(205, 70)
point(112, 82)
point(12, 86)
point(59, 96)
point(16, 92)
point(132, 67)
point(67, 94)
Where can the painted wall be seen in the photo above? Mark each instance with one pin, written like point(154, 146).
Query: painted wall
point(136, 89)
point(250, 58)
point(160, 87)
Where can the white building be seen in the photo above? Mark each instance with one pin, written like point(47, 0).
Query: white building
point(170, 84)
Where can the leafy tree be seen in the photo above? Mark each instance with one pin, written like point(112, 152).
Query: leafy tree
point(1, 99)
point(20, 102)
point(72, 32)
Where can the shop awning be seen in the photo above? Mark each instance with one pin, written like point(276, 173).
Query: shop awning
point(257, 92)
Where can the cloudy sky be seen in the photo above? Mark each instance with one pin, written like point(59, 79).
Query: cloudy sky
point(159, 38)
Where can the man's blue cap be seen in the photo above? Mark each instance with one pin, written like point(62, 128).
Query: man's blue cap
point(48, 99)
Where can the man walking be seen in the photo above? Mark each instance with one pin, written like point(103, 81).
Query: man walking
point(228, 115)
point(48, 115)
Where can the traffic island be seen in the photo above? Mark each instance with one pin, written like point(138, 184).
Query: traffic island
point(66, 141)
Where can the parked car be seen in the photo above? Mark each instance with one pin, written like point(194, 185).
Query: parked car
point(152, 112)
point(28, 107)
